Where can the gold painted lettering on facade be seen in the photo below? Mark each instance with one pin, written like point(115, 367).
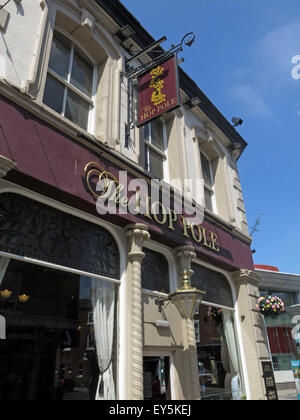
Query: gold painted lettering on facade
point(111, 190)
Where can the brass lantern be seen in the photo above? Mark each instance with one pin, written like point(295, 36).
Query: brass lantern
point(187, 299)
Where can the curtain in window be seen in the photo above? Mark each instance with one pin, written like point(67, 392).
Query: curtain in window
point(233, 353)
point(103, 300)
point(3, 267)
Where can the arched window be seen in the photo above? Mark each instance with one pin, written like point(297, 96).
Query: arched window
point(34, 230)
point(70, 85)
point(218, 353)
point(216, 286)
point(155, 272)
point(56, 270)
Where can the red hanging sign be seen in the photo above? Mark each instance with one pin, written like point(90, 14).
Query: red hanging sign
point(158, 91)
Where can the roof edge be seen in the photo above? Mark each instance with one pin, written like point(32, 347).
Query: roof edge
point(124, 17)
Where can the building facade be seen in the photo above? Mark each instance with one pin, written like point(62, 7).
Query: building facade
point(83, 291)
point(283, 331)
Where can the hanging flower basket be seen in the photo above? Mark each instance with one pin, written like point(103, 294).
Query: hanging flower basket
point(216, 315)
point(270, 305)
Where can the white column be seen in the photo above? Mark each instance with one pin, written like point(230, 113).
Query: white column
point(185, 255)
point(137, 235)
point(253, 332)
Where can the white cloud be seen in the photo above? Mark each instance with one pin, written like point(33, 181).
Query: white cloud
point(252, 101)
point(267, 78)
point(273, 57)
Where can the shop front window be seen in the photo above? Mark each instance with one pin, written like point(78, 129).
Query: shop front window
point(218, 355)
point(55, 270)
point(284, 345)
point(50, 351)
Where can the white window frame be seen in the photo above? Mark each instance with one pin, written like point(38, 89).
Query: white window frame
point(89, 341)
point(208, 187)
point(67, 83)
point(148, 145)
point(90, 320)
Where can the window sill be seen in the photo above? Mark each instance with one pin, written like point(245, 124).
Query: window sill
point(59, 119)
point(40, 110)
point(154, 293)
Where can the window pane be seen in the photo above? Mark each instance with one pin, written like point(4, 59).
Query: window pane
point(155, 272)
point(208, 199)
point(82, 73)
point(60, 55)
point(146, 133)
point(284, 342)
point(156, 165)
point(47, 337)
point(54, 94)
point(77, 110)
point(216, 285)
point(206, 171)
point(157, 135)
point(218, 356)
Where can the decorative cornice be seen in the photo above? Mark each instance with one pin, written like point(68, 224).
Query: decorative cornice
point(6, 165)
point(247, 276)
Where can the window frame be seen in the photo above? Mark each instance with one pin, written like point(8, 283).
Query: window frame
point(148, 145)
point(90, 320)
point(68, 85)
point(210, 189)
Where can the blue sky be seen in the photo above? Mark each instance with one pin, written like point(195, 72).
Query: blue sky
point(242, 61)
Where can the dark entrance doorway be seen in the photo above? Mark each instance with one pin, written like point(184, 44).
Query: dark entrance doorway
point(157, 378)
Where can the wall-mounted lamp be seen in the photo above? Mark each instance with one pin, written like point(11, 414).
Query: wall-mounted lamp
point(193, 102)
point(186, 299)
point(237, 121)
point(23, 298)
point(6, 294)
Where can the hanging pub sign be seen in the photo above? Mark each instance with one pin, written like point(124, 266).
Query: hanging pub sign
point(158, 91)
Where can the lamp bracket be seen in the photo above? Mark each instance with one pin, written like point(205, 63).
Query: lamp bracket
point(160, 303)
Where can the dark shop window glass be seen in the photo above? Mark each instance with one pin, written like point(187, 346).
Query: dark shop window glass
point(155, 272)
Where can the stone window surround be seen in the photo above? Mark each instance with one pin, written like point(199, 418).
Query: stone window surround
point(85, 30)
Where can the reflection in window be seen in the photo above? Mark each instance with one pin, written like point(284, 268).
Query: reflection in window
point(218, 290)
point(154, 148)
point(284, 346)
point(208, 182)
point(70, 79)
point(155, 272)
point(51, 352)
point(218, 358)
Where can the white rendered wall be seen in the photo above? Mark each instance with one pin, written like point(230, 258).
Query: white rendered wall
point(19, 40)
